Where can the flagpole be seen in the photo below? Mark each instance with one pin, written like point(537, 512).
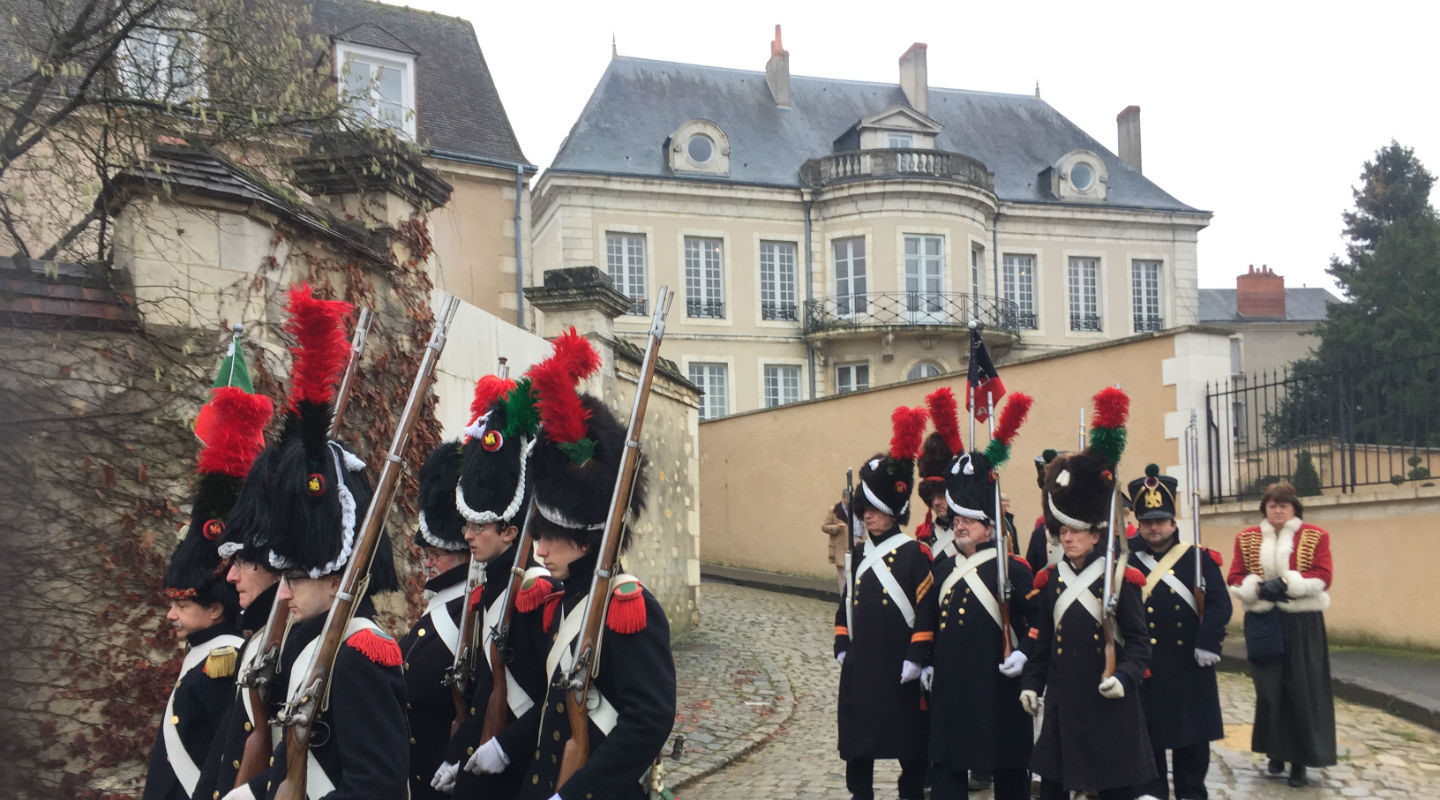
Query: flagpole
point(969, 385)
point(234, 345)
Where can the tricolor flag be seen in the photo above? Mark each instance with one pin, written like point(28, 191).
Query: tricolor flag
point(232, 373)
point(982, 379)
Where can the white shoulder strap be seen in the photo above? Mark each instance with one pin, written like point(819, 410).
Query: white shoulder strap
point(184, 767)
point(317, 783)
point(1077, 589)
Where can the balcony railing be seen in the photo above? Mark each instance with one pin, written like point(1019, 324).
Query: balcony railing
point(696, 309)
point(1026, 320)
point(908, 309)
point(899, 162)
point(639, 307)
point(1092, 323)
point(778, 311)
point(1147, 324)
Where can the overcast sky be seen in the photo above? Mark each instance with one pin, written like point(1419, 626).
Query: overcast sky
point(1262, 112)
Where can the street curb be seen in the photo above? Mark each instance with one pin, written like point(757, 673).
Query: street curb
point(814, 588)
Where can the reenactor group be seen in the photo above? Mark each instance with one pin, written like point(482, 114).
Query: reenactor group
point(1089, 663)
point(538, 680)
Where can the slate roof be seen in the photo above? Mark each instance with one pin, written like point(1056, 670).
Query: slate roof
point(51, 292)
point(639, 102)
point(1304, 304)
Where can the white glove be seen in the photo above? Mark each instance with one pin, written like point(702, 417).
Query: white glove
point(840, 657)
point(1030, 701)
point(444, 780)
point(909, 671)
point(1111, 688)
point(241, 792)
point(1012, 666)
point(927, 678)
point(1205, 658)
point(488, 758)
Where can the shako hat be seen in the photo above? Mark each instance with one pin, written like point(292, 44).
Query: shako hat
point(886, 479)
point(1078, 486)
point(1153, 496)
point(970, 480)
point(941, 446)
point(1042, 463)
point(440, 524)
point(495, 452)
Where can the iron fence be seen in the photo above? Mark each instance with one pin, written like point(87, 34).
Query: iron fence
point(1337, 429)
point(906, 309)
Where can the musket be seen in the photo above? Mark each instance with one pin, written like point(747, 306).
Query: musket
point(1111, 596)
point(587, 657)
point(301, 711)
point(497, 707)
point(460, 674)
point(1081, 444)
point(1192, 465)
point(1002, 546)
point(257, 679)
point(849, 551)
point(850, 504)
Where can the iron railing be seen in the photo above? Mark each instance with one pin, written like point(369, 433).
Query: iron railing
point(1338, 429)
point(696, 309)
point(639, 307)
point(908, 309)
point(778, 311)
point(896, 162)
point(1147, 324)
point(1087, 322)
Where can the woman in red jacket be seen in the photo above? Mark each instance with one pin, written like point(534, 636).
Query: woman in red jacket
point(1281, 575)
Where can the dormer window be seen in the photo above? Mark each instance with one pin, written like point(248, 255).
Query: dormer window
point(378, 86)
point(1080, 175)
point(699, 146)
point(899, 140)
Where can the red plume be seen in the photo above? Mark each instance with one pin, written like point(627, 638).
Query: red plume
point(487, 390)
point(908, 426)
point(1013, 417)
point(562, 415)
point(1112, 408)
point(238, 435)
point(945, 416)
point(321, 349)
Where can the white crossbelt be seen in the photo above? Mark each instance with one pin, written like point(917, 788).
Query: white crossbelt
point(445, 626)
point(1077, 589)
point(183, 766)
point(944, 543)
point(562, 656)
point(874, 561)
point(968, 570)
point(1163, 568)
point(317, 783)
point(518, 700)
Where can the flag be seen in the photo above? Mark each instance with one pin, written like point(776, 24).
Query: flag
point(982, 379)
point(232, 373)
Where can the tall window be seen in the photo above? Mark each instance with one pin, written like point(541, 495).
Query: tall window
point(782, 385)
point(1145, 291)
point(851, 377)
point(713, 382)
point(777, 280)
point(1084, 291)
point(922, 369)
point(625, 260)
point(1018, 274)
point(160, 59)
point(704, 293)
point(977, 280)
point(924, 279)
point(850, 283)
point(379, 86)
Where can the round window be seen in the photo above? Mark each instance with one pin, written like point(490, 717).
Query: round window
point(701, 148)
point(1081, 176)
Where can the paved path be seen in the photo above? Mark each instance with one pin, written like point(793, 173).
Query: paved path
point(760, 670)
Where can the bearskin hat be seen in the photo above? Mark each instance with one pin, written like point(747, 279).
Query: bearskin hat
point(887, 478)
point(1079, 486)
point(495, 456)
point(441, 525)
point(971, 480)
point(1154, 494)
point(941, 446)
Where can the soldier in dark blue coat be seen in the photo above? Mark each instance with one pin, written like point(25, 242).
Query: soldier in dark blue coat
point(1181, 697)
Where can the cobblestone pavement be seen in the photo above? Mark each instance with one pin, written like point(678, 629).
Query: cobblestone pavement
point(757, 705)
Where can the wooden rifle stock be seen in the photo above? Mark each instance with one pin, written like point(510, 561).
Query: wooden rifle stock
point(587, 657)
point(497, 706)
point(457, 677)
point(300, 713)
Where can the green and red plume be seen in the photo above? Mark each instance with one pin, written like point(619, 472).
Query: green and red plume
point(1107, 426)
point(488, 390)
point(945, 416)
point(907, 431)
point(236, 434)
point(1011, 418)
point(321, 350)
point(563, 417)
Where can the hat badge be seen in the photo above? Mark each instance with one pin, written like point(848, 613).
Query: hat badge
point(492, 441)
point(315, 484)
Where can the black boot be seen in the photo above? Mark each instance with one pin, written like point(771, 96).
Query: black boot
point(1297, 775)
point(1275, 768)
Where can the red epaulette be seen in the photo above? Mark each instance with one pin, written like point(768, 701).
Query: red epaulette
point(377, 646)
point(475, 597)
point(1021, 560)
point(532, 594)
point(924, 548)
point(1216, 557)
point(627, 608)
point(1041, 578)
point(1135, 576)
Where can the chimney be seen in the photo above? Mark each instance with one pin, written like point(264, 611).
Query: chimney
point(777, 72)
point(1260, 294)
point(1128, 121)
point(915, 79)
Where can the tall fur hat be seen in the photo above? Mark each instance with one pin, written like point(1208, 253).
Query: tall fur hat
point(441, 525)
point(494, 484)
point(972, 477)
point(1078, 486)
point(941, 446)
point(886, 479)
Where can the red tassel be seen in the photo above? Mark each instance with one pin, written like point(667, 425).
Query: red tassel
point(1042, 578)
point(908, 430)
point(551, 604)
point(377, 647)
point(1215, 555)
point(237, 434)
point(487, 390)
point(1112, 408)
point(321, 349)
point(627, 609)
point(1134, 576)
point(532, 595)
point(1013, 416)
point(945, 416)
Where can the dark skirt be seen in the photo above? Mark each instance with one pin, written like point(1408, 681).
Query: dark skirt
point(1294, 707)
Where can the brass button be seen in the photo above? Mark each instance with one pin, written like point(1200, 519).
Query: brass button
point(1152, 624)
point(1097, 636)
point(534, 779)
point(1179, 643)
point(272, 761)
point(469, 751)
point(1149, 610)
point(412, 740)
point(472, 711)
point(407, 665)
point(421, 633)
point(1059, 650)
point(1152, 641)
point(235, 764)
point(1057, 637)
point(884, 602)
point(1179, 625)
point(1172, 572)
point(942, 626)
point(555, 735)
point(559, 708)
point(175, 720)
point(216, 796)
point(408, 706)
point(962, 611)
point(248, 726)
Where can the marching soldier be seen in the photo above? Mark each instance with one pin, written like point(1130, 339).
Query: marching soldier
point(881, 710)
point(1044, 547)
point(429, 648)
point(1180, 695)
point(1093, 735)
point(976, 722)
point(939, 451)
point(315, 495)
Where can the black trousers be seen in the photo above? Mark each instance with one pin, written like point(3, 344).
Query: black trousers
point(1190, 765)
point(860, 778)
point(1053, 790)
point(954, 784)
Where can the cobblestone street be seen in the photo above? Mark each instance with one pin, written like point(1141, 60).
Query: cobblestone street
point(757, 708)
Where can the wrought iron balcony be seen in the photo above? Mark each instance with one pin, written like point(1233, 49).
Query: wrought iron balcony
point(639, 307)
point(1092, 323)
point(1146, 324)
point(854, 312)
point(892, 163)
point(697, 309)
point(778, 311)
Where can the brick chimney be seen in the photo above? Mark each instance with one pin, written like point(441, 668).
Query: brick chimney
point(915, 78)
point(1260, 294)
point(777, 72)
point(1128, 122)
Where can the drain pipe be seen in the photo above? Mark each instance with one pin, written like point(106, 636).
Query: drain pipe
point(809, 289)
point(519, 251)
point(995, 258)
